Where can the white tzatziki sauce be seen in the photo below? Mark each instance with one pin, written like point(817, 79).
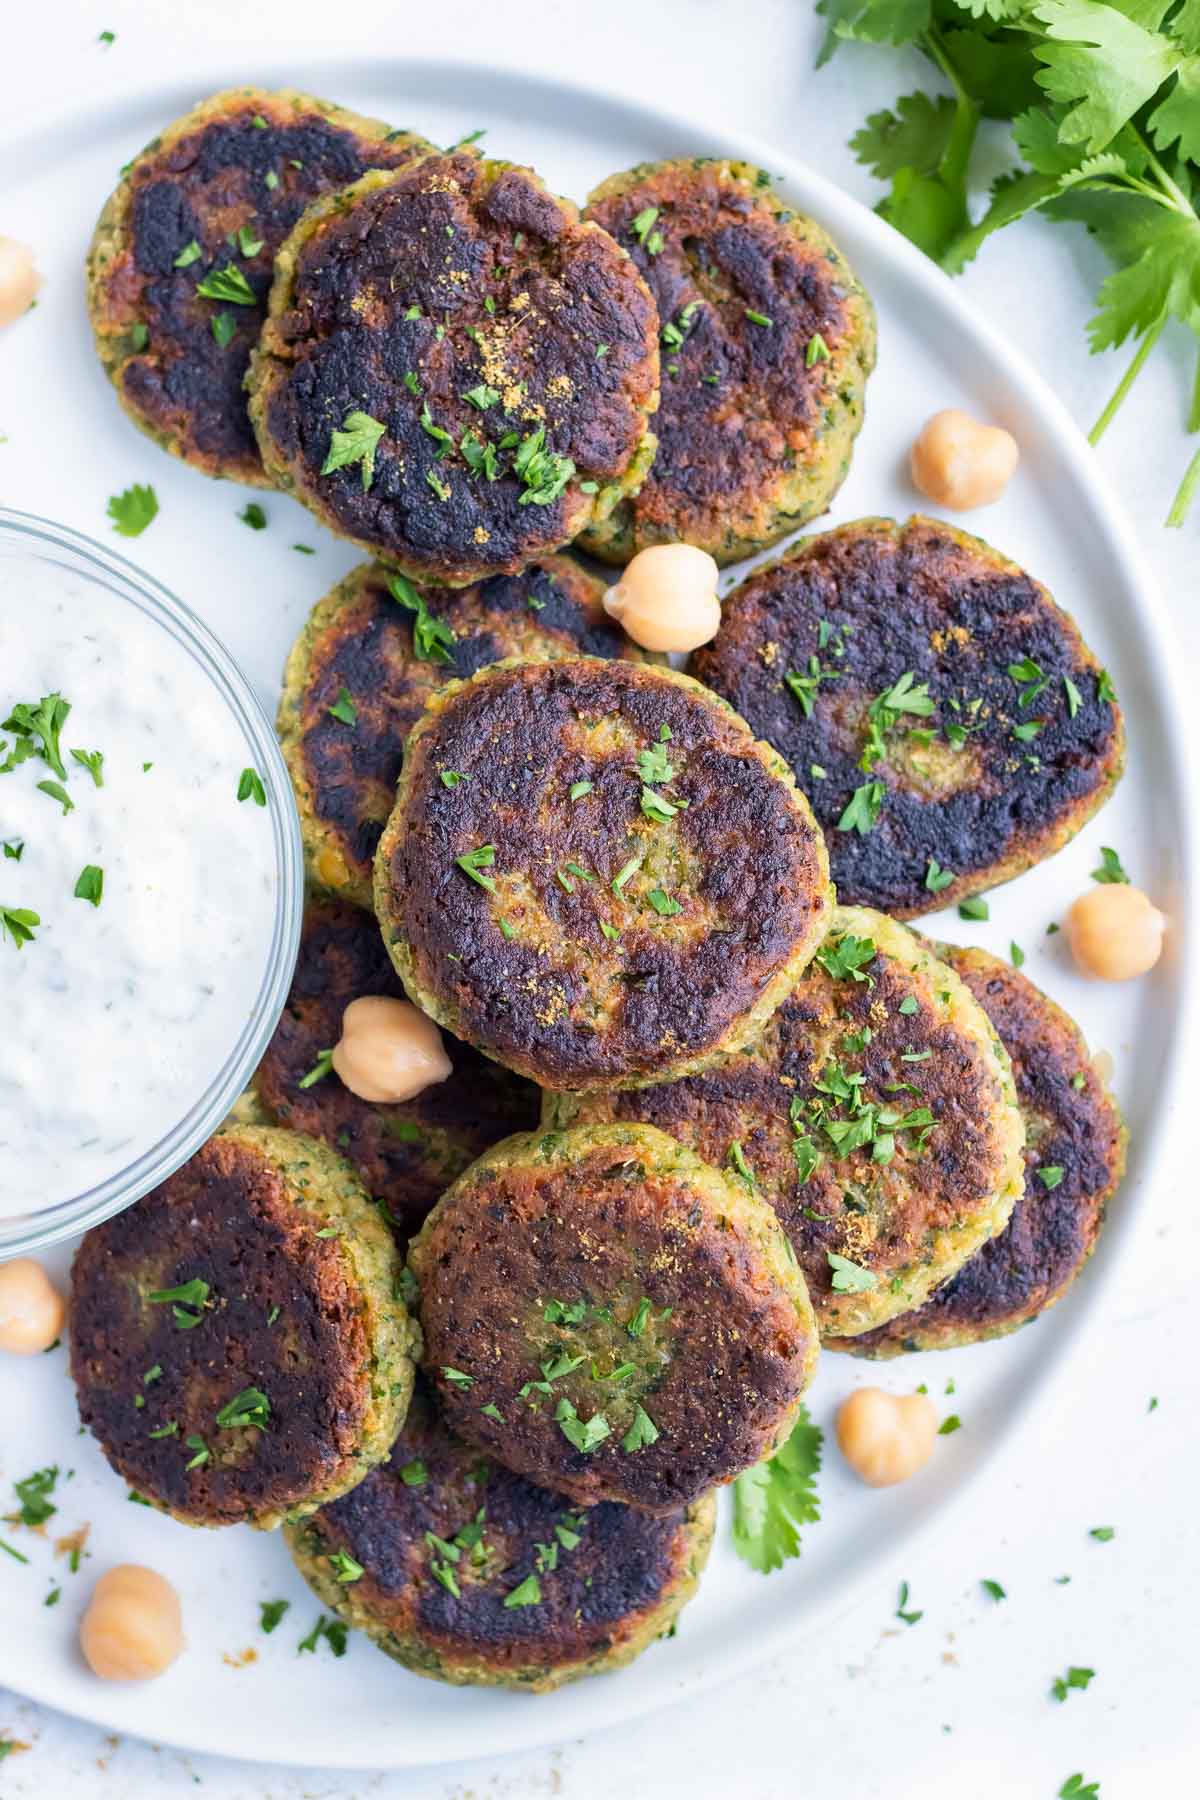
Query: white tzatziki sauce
point(115, 1017)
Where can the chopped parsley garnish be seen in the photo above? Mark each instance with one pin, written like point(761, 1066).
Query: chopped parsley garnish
point(14, 849)
point(543, 474)
point(344, 708)
point(344, 1567)
point(637, 1324)
point(974, 907)
point(57, 791)
point(190, 254)
point(902, 1608)
point(33, 1495)
point(457, 1378)
point(663, 903)
point(993, 1588)
point(1050, 1175)
point(579, 789)
point(250, 787)
point(641, 1433)
point(1105, 689)
point(804, 687)
point(139, 335)
point(224, 329)
point(90, 885)
point(356, 442)
point(849, 1277)
point(1103, 1534)
point(565, 1312)
point(739, 1165)
point(817, 351)
point(195, 1442)
point(1074, 1678)
point(772, 1501)
point(623, 875)
point(909, 1005)
point(528, 1593)
point(441, 437)
point(1016, 954)
point(433, 638)
point(1074, 697)
point(847, 958)
point(863, 808)
point(187, 1301)
point(18, 923)
point(1110, 871)
point(414, 1473)
point(9, 1551)
point(757, 318)
point(248, 244)
point(319, 1070)
point(227, 284)
point(482, 396)
point(654, 766)
point(451, 777)
point(949, 1424)
point(656, 806)
point(886, 710)
point(270, 1612)
point(651, 241)
point(585, 1436)
point(93, 762)
point(1031, 680)
point(937, 878)
point(1076, 1788)
point(250, 1407)
point(332, 1630)
point(133, 509)
point(471, 862)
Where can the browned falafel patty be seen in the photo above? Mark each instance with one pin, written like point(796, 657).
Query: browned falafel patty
point(368, 658)
point(236, 1343)
point(594, 873)
point(767, 339)
point(181, 261)
point(430, 380)
point(1074, 1161)
point(611, 1317)
point(472, 1575)
point(407, 1152)
point(875, 1114)
point(942, 713)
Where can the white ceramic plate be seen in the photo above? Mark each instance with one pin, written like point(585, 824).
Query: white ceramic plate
point(69, 447)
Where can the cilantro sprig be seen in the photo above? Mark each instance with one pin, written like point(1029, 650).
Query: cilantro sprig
point(773, 1500)
point(1104, 105)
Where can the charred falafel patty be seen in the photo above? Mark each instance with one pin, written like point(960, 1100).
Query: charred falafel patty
point(944, 716)
point(456, 373)
point(472, 1575)
point(767, 342)
point(405, 1152)
point(368, 658)
point(1074, 1161)
point(181, 261)
point(236, 1343)
point(612, 1318)
point(594, 873)
point(875, 1114)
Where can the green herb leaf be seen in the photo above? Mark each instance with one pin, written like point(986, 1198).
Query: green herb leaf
point(190, 253)
point(641, 1433)
point(1111, 869)
point(902, 1609)
point(433, 638)
point(320, 1069)
point(994, 1589)
point(93, 762)
point(356, 442)
point(775, 1499)
point(1075, 1677)
point(133, 509)
point(863, 808)
point(224, 328)
point(974, 907)
point(19, 924)
point(471, 862)
point(250, 787)
point(849, 1277)
point(344, 708)
point(90, 885)
point(250, 1407)
point(937, 878)
point(227, 284)
point(527, 1593)
point(270, 1612)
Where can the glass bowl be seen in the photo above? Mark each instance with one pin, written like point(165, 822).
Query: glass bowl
point(23, 535)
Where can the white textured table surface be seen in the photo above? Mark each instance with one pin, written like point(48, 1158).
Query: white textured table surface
point(957, 1706)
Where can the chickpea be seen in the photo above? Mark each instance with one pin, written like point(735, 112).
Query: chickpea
point(957, 462)
point(886, 1437)
point(1115, 932)
point(19, 280)
point(32, 1310)
point(132, 1629)
point(667, 598)
point(389, 1050)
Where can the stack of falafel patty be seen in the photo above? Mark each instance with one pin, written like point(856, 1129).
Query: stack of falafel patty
point(488, 1353)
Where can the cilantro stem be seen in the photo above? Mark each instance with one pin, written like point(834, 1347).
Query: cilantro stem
point(1127, 380)
point(1186, 494)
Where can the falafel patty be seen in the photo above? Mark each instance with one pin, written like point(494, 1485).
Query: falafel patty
point(456, 373)
point(368, 658)
point(472, 1575)
point(181, 259)
point(407, 1152)
point(876, 1114)
point(945, 717)
point(612, 1318)
point(768, 340)
point(236, 1341)
point(1074, 1161)
point(594, 873)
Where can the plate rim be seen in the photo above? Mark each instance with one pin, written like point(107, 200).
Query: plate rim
point(622, 1701)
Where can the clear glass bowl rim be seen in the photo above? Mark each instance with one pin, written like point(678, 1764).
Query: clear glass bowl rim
point(61, 545)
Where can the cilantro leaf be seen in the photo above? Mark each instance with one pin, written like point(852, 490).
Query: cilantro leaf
point(773, 1500)
point(133, 509)
point(1102, 64)
point(356, 442)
